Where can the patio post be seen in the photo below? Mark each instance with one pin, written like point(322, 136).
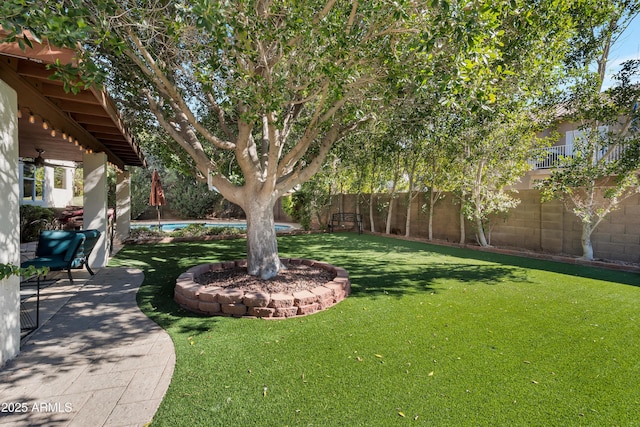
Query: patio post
point(123, 205)
point(9, 223)
point(95, 204)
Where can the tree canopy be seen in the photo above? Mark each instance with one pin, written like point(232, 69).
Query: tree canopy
point(254, 93)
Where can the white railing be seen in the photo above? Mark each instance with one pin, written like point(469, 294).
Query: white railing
point(615, 154)
point(551, 155)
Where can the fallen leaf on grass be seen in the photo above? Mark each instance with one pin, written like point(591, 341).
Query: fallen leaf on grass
point(401, 414)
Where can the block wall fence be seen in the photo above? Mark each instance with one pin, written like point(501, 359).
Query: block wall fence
point(540, 227)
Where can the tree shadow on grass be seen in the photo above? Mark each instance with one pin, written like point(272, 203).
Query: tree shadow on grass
point(376, 265)
point(397, 283)
point(162, 264)
point(384, 266)
point(371, 258)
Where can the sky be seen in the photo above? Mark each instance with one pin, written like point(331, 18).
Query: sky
point(627, 47)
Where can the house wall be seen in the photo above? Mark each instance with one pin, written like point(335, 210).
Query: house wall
point(541, 227)
point(9, 224)
point(53, 197)
point(61, 197)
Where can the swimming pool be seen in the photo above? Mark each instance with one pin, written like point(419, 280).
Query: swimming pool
point(179, 225)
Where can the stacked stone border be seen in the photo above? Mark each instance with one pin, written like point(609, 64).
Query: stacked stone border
point(214, 300)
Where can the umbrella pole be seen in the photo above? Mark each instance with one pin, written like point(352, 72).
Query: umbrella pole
point(158, 209)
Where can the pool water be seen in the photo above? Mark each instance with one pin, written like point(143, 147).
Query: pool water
point(173, 226)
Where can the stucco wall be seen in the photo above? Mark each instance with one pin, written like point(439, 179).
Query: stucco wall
point(9, 224)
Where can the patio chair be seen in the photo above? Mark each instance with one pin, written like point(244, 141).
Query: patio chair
point(64, 249)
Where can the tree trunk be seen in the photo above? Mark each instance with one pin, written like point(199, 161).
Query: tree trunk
point(462, 232)
point(390, 213)
point(407, 225)
point(372, 222)
point(431, 204)
point(587, 247)
point(392, 195)
point(262, 246)
point(430, 224)
point(482, 239)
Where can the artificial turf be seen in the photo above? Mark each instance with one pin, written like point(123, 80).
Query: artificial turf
point(430, 335)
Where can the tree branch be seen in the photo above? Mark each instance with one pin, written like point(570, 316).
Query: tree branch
point(163, 85)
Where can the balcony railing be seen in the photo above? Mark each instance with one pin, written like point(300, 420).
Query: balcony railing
point(551, 155)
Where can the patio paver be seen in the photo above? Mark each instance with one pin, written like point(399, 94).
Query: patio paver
point(98, 361)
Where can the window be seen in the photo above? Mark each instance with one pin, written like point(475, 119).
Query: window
point(33, 183)
point(578, 137)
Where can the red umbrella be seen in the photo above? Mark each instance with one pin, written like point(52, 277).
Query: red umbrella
point(156, 198)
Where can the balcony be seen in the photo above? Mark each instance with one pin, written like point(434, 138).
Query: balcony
point(550, 156)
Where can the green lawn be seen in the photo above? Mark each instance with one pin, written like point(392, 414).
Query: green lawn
point(430, 335)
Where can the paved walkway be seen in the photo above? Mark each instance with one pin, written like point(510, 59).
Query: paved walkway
point(96, 360)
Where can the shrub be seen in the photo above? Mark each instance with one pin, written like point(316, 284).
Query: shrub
point(140, 188)
point(187, 197)
point(34, 219)
point(191, 230)
point(297, 207)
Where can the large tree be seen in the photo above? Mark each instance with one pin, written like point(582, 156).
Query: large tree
point(283, 81)
point(254, 93)
point(601, 170)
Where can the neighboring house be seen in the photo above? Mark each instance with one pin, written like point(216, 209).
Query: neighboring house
point(542, 166)
point(49, 185)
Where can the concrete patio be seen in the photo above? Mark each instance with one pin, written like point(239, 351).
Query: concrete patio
point(95, 360)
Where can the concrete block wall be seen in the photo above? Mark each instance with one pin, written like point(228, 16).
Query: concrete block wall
point(544, 227)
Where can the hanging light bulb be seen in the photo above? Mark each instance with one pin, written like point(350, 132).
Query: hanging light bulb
point(75, 142)
point(53, 133)
point(45, 125)
point(32, 118)
point(19, 114)
point(70, 139)
point(64, 135)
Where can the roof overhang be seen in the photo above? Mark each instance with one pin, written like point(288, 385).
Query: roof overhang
point(64, 125)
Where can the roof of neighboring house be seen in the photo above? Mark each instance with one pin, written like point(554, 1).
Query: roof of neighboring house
point(86, 121)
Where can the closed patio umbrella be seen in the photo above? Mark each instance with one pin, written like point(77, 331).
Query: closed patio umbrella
point(156, 198)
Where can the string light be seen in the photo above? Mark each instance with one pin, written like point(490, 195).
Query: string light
point(53, 132)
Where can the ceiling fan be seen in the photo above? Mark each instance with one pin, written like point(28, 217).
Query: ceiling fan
point(40, 161)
